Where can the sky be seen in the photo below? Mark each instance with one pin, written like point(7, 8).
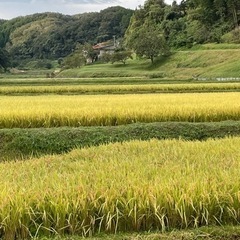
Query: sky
point(14, 8)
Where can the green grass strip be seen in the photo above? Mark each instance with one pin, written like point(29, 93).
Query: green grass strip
point(17, 143)
point(206, 233)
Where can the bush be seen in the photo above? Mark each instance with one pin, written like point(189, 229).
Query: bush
point(74, 60)
point(232, 37)
point(39, 64)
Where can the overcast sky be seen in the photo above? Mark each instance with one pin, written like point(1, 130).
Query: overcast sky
point(13, 8)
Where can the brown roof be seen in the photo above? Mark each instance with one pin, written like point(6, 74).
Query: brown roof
point(103, 45)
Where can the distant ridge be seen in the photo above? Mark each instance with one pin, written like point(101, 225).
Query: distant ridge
point(55, 35)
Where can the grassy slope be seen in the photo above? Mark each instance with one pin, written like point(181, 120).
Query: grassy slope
point(15, 143)
point(209, 61)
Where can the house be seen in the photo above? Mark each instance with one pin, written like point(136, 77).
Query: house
point(105, 47)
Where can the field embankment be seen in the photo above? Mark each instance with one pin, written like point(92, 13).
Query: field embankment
point(122, 187)
point(206, 233)
point(24, 143)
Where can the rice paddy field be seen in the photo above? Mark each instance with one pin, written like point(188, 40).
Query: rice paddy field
point(116, 89)
point(130, 186)
point(133, 186)
point(102, 110)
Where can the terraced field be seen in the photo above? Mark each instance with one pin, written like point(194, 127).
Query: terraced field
point(133, 186)
point(117, 89)
point(111, 110)
point(126, 186)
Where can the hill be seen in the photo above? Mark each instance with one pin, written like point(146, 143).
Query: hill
point(54, 35)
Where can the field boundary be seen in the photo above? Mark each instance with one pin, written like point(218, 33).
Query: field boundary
point(23, 143)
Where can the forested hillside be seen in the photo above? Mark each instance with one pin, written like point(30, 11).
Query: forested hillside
point(53, 35)
point(190, 22)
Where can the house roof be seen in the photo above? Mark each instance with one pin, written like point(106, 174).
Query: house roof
point(104, 45)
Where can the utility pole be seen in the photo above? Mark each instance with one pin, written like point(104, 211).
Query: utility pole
point(114, 40)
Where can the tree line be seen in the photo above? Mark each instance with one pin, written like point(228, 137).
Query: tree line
point(157, 27)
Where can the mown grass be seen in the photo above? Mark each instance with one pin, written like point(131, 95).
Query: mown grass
point(25, 74)
point(116, 89)
point(208, 63)
point(111, 110)
point(134, 68)
point(206, 233)
point(83, 81)
point(24, 143)
point(214, 46)
point(122, 187)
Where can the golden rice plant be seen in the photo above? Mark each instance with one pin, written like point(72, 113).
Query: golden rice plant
point(133, 186)
point(92, 110)
point(81, 89)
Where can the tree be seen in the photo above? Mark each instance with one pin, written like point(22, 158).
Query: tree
point(120, 56)
point(106, 57)
point(147, 41)
point(89, 52)
point(4, 59)
point(234, 6)
point(74, 60)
